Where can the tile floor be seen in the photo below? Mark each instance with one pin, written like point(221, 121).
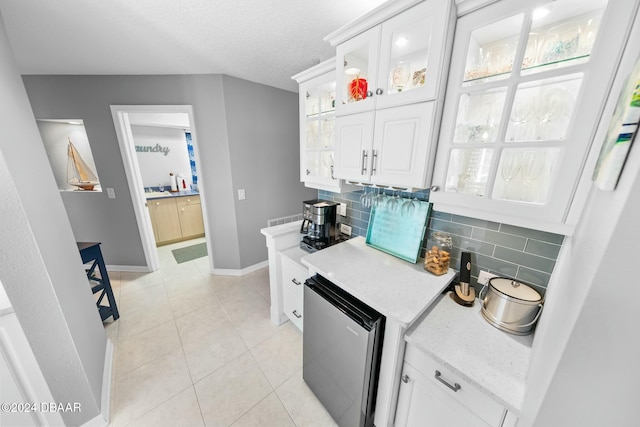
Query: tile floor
point(194, 349)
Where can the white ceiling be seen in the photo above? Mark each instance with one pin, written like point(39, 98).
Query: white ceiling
point(257, 40)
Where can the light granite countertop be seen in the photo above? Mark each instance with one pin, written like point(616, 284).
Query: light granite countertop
point(494, 361)
point(396, 288)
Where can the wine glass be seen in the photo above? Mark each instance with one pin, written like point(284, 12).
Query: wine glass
point(520, 113)
point(511, 164)
point(381, 198)
point(364, 198)
point(393, 203)
point(409, 206)
point(533, 162)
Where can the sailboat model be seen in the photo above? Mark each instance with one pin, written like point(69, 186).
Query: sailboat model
point(78, 172)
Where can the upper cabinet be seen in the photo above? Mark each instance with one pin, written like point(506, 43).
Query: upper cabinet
point(390, 69)
point(393, 62)
point(525, 94)
point(317, 123)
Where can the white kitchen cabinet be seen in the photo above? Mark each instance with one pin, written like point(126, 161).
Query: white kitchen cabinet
point(389, 147)
point(432, 395)
point(317, 122)
point(423, 404)
point(392, 56)
point(524, 97)
point(293, 278)
point(385, 133)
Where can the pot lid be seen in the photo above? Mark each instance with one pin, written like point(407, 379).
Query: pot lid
point(515, 289)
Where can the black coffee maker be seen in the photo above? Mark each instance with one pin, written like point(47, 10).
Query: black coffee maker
point(318, 224)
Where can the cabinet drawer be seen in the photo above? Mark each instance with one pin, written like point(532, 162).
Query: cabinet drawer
point(188, 200)
point(293, 276)
point(293, 307)
point(468, 395)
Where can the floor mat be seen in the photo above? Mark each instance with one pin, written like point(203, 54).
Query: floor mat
point(190, 253)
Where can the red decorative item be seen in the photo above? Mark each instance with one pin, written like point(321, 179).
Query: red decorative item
point(358, 89)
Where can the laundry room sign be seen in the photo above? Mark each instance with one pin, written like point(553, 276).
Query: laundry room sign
point(152, 149)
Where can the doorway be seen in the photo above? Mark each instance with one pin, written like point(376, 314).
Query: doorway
point(123, 117)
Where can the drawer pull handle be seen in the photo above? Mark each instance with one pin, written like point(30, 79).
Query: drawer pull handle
point(405, 378)
point(455, 387)
point(296, 282)
point(295, 313)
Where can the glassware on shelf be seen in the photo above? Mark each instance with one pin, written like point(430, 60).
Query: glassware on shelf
point(400, 76)
point(509, 170)
point(409, 206)
point(562, 42)
point(491, 51)
point(531, 52)
point(533, 163)
point(468, 170)
point(479, 116)
point(381, 198)
point(328, 126)
point(312, 133)
point(520, 119)
point(393, 203)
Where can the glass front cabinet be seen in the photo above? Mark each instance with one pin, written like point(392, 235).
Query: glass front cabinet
point(390, 73)
point(525, 93)
point(393, 63)
point(317, 122)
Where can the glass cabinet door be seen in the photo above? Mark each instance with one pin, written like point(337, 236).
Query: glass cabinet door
point(523, 100)
point(356, 72)
point(399, 61)
point(319, 104)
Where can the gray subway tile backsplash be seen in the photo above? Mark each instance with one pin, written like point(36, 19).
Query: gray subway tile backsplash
point(520, 253)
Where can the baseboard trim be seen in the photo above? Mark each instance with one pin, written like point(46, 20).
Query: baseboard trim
point(241, 272)
point(102, 420)
point(129, 268)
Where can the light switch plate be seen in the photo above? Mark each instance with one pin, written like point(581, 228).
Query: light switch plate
point(342, 209)
point(111, 193)
point(241, 194)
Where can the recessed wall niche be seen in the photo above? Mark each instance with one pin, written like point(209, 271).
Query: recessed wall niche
point(66, 165)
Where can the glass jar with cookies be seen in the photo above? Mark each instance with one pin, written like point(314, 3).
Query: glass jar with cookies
point(438, 255)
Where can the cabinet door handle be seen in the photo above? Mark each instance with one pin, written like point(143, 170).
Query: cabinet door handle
point(295, 313)
point(364, 162)
point(296, 282)
point(379, 91)
point(157, 203)
point(374, 157)
point(435, 188)
point(455, 387)
point(369, 94)
point(405, 378)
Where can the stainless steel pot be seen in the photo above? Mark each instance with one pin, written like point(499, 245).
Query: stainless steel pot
point(510, 305)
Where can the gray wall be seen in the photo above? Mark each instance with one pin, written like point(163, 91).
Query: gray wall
point(262, 123)
point(246, 135)
point(40, 267)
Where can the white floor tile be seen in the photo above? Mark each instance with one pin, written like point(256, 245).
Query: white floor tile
point(303, 406)
point(268, 413)
point(229, 393)
point(195, 349)
point(180, 410)
point(142, 348)
point(142, 389)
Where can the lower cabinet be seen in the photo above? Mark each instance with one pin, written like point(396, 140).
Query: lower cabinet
point(293, 277)
point(190, 215)
point(176, 218)
point(433, 396)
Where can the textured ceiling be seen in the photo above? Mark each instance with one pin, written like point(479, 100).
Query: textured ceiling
point(264, 41)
